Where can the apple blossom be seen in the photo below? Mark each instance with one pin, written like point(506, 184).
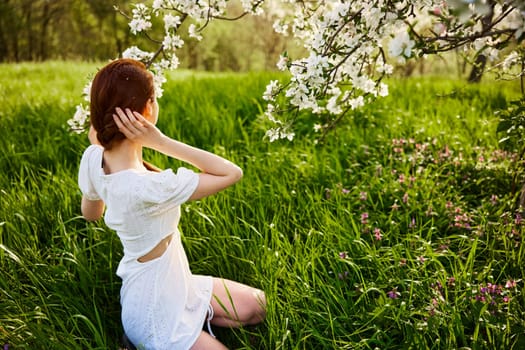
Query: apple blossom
point(79, 120)
point(350, 45)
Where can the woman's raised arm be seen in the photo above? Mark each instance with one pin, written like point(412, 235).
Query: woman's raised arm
point(217, 174)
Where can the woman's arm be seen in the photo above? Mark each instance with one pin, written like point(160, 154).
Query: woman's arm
point(92, 210)
point(217, 172)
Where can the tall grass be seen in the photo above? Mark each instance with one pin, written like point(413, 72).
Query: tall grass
point(399, 231)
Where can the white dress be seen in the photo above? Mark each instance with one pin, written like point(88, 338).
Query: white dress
point(164, 305)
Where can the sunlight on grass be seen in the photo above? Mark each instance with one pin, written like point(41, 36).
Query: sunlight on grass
point(399, 231)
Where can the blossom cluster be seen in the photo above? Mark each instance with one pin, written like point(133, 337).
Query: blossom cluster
point(495, 296)
point(173, 13)
point(350, 45)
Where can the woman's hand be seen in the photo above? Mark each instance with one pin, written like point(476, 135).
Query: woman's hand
point(137, 128)
point(217, 172)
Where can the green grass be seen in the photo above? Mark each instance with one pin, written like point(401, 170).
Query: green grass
point(420, 169)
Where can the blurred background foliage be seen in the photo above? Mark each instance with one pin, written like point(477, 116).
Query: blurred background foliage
point(93, 30)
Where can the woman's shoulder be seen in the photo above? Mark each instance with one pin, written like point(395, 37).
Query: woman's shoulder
point(92, 151)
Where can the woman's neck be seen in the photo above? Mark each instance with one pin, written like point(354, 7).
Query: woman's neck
point(122, 156)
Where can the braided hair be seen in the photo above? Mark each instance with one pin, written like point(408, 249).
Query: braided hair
point(123, 83)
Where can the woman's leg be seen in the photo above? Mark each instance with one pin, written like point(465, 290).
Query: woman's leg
point(207, 342)
point(236, 304)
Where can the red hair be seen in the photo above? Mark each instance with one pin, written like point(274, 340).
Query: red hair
point(123, 83)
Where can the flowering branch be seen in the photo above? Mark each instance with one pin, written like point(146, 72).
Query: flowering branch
point(350, 46)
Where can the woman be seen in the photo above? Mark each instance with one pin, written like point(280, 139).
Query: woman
point(164, 306)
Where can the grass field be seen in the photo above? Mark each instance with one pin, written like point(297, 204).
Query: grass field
point(398, 232)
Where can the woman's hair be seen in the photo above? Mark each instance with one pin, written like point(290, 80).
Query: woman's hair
point(123, 83)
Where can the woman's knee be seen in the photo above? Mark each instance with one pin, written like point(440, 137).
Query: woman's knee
point(258, 307)
point(207, 342)
point(239, 302)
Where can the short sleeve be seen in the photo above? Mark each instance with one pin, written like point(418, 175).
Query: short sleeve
point(86, 170)
point(169, 188)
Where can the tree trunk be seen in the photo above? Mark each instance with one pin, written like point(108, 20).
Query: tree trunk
point(16, 53)
point(477, 70)
point(4, 22)
point(46, 17)
point(28, 12)
point(481, 60)
point(4, 48)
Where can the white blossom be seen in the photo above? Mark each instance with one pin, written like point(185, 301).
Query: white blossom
point(79, 120)
point(357, 102)
point(282, 63)
point(172, 42)
point(272, 134)
point(271, 89)
point(138, 25)
point(278, 133)
point(401, 45)
point(344, 43)
point(141, 19)
point(135, 53)
point(192, 32)
point(171, 22)
point(158, 80)
point(270, 108)
point(280, 27)
point(385, 68)
point(87, 91)
point(333, 106)
point(382, 90)
point(252, 6)
point(157, 4)
point(492, 54)
point(510, 60)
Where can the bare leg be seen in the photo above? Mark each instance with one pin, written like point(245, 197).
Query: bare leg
point(207, 342)
point(236, 304)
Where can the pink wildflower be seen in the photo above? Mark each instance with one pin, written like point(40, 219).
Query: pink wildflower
point(412, 223)
point(377, 234)
point(510, 284)
point(364, 218)
point(451, 281)
point(393, 294)
point(343, 275)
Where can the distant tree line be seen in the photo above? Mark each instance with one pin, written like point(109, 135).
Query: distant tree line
point(92, 30)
